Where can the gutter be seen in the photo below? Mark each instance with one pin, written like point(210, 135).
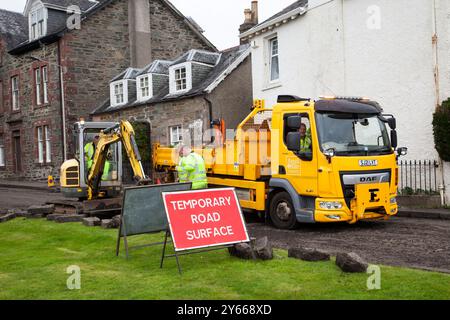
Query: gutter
point(269, 25)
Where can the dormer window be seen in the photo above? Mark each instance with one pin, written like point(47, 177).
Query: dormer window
point(144, 91)
point(180, 77)
point(38, 23)
point(119, 92)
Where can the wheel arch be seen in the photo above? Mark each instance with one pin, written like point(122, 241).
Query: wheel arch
point(278, 185)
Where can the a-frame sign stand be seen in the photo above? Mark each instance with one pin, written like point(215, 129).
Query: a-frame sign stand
point(177, 255)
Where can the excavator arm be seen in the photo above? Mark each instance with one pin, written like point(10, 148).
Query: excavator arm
point(124, 133)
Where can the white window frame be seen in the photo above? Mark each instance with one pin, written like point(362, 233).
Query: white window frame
point(40, 142)
point(44, 75)
point(173, 77)
point(181, 79)
point(140, 89)
point(38, 25)
point(38, 81)
point(113, 94)
point(15, 93)
point(48, 145)
point(2, 153)
point(179, 133)
point(271, 56)
point(44, 144)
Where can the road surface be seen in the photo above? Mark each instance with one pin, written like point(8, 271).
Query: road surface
point(17, 198)
point(406, 242)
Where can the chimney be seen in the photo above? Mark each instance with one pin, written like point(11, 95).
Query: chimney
point(251, 19)
point(255, 12)
point(139, 33)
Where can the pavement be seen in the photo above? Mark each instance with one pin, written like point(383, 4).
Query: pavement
point(424, 213)
point(33, 185)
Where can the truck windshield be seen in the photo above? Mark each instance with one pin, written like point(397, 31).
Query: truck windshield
point(353, 134)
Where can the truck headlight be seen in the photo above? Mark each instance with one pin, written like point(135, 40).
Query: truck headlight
point(330, 205)
point(394, 200)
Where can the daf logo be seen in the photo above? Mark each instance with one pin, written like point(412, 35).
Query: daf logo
point(368, 179)
point(368, 163)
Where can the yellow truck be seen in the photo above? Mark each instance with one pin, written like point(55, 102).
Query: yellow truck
point(306, 161)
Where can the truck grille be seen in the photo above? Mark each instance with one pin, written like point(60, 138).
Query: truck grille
point(350, 178)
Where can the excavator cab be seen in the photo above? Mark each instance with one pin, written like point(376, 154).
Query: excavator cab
point(74, 173)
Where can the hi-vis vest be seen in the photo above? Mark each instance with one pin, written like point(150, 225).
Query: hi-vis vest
point(192, 169)
point(89, 151)
point(305, 142)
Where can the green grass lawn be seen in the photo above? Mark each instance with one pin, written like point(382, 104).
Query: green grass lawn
point(35, 254)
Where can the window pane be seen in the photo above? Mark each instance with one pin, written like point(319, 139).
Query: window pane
point(274, 61)
point(37, 80)
point(274, 47)
point(15, 93)
point(44, 77)
point(48, 151)
point(274, 72)
point(175, 135)
point(180, 79)
point(40, 145)
point(118, 88)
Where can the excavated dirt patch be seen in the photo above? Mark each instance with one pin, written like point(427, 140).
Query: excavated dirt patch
point(406, 242)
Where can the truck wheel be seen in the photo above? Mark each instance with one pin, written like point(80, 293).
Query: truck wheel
point(282, 212)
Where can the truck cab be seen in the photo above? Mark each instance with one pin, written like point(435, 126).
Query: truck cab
point(347, 173)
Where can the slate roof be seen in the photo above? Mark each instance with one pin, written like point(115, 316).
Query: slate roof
point(83, 4)
point(200, 56)
point(14, 28)
point(227, 59)
point(130, 73)
point(157, 67)
point(295, 5)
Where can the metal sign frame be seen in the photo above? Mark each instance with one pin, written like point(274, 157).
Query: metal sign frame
point(122, 227)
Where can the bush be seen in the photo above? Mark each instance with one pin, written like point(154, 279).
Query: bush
point(441, 129)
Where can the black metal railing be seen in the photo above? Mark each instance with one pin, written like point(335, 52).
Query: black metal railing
point(418, 177)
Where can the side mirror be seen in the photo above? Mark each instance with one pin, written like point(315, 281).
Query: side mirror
point(392, 123)
point(402, 151)
point(394, 141)
point(330, 153)
point(294, 122)
point(293, 141)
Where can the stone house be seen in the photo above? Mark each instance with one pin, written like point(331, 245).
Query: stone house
point(179, 99)
point(394, 52)
point(80, 44)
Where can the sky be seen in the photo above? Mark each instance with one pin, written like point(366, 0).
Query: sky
point(219, 18)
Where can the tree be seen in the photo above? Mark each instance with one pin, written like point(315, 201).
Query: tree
point(441, 129)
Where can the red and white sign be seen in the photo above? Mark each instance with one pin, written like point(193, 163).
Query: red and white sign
point(204, 218)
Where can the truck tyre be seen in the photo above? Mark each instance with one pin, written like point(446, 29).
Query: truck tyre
point(282, 212)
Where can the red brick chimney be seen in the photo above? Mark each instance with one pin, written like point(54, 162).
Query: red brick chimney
point(251, 19)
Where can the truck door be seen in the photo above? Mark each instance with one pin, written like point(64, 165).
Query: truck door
point(301, 167)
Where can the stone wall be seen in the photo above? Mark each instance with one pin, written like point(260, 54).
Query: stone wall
point(171, 37)
point(162, 116)
point(26, 120)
